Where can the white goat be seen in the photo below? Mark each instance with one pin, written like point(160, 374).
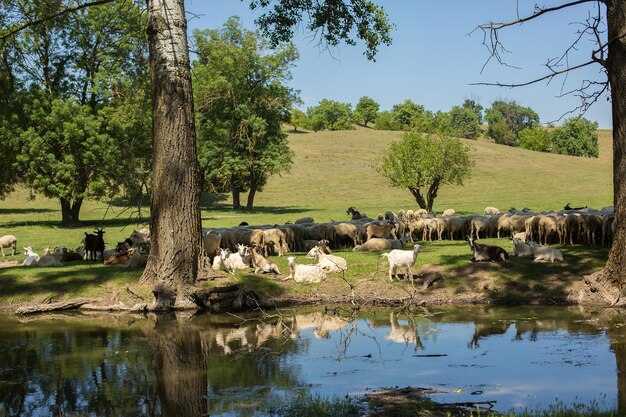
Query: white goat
point(31, 257)
point(49, 258)
point(332, 263)
point(404, 258)
point(231, 261)
point(8, 241)
point(545, 254)
point(521, 248)
point(305, 273)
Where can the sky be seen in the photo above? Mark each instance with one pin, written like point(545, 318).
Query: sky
point(434, 58)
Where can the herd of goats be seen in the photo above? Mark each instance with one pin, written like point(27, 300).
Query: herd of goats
point(246, 246)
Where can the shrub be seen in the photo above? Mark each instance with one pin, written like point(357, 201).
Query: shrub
point(577, 137)
point(536, 139)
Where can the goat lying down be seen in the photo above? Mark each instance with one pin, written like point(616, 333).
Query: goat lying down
point(486, 253)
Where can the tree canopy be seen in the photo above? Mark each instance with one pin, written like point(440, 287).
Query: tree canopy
point(241, 99)
point(425, 163)
point(507, 119)
point(366, 110)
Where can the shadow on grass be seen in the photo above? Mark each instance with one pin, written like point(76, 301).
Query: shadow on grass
point(264, 285)
point(265, 210)
point(67, 281)
point(86, 224)
point(25, 210)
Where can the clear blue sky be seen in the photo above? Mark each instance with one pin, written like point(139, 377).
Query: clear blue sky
point(433, 59)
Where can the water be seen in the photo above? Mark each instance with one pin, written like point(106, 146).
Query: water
point(220, 365)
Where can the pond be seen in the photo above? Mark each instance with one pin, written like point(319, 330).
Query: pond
point(183, 365)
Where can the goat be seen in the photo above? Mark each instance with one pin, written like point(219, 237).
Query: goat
point(521, 248)
point(404, 258)
point(332, 263)
point(68, 256)
point(568, 207)
point(95, 244)
point(486, 253)
point(135, 259)
point(545, 254)
point(49, 258)
point(8, 241)
point(32, 258)
point(261, 264)
point(231, 261)
point(305, 273)
point(356, 215)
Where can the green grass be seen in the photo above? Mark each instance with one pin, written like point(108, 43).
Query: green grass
point(332, 171)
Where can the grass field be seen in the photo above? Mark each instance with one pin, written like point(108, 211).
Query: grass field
point(332, 171)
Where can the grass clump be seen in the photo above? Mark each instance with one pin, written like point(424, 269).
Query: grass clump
point(308, 405)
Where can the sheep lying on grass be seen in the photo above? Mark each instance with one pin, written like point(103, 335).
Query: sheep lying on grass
point(545, 254)
point(403, 258)
point(305, 273)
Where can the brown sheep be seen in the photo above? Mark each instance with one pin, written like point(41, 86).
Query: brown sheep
point(381, 231)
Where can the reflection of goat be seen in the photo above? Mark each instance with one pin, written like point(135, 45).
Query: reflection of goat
point(483, 330)
point(405, 333)
point(486, 253)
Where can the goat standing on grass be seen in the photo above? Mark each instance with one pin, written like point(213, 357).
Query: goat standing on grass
point(404, 258)
point(95, 244)
point(486, 253)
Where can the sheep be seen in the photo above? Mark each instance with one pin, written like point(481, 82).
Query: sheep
point(262, 265)
point(211, 243)
point(332, 263)
point(304, 220)
point(95, 244)
point(486, 253)
point(135, 259)
point(404, 258)
point(520, 236)
point(491, 211)
point(545, 254)
point(49, 258)
point(140, 239)
point(402, 215)
point(521, 248)
point(305, 273)
point(421, 213)
point(381, 231)
point(373, 245)
point(8, 241)
point(346, 234)
point(390, 216)
point(32, 259)
point(449, 212)
point(480, 224)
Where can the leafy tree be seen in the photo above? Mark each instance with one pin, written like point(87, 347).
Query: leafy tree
point(464, 122)
point(366, 110)
point(475, 107)
point(427, 122)
point(94, 57)
point(386, 121)
point(297, 118)
point(240, 103)
point(424, 163)
point(536, 139)
point(330, 115)
point(507, 119)
point(577, 137)
point(404, 114)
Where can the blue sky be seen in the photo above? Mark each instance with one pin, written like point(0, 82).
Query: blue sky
point(433, 60)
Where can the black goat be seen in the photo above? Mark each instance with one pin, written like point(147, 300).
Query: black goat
point(486, 253)
point(355, 214)
point(95, 244)
point(568, 207)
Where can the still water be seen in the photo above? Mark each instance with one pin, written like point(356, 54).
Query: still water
point(183, 365)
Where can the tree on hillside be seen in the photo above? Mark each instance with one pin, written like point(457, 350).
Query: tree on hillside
point(425, 163)
point(330, 115)
point(241, 100)
point(506, 119)
point(606, 28)
point(536, 139)
point(475, 107)
point(366, 110)
point(405, 113)
point(577, 137)
point(463, 122)
point(297, 118)
point(68, 70)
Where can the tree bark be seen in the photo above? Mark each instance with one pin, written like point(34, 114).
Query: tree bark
point(70, 212)
point(253, 188)
point(176, 242)
point(236, 194)
point(419, 198)
point(432, 194)
point(614, 273)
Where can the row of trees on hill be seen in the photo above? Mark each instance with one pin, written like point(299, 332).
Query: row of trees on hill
point(508, 123)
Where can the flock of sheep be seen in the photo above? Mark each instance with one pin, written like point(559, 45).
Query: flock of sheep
point(246, 246)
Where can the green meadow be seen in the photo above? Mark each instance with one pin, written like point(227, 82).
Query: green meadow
point(331, 172)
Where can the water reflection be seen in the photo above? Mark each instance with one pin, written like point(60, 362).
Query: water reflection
point(175, 365)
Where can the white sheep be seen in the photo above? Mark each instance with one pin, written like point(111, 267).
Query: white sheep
point(8, 241)
point(305, 273)
point(521, 248)
point(32, 259)
point(448, 213)
point(332, 263)
point(491, 211)
point(404, 258)
point(545, 254)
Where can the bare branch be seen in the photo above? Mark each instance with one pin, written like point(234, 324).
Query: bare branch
point(62, 12)
point(546, 77)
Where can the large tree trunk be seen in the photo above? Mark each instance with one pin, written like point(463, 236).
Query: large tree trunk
point(176, 242)
point(431, 195)
point(419, 198)
point(236, 194)
point(254, 185)
point(613, 277)
point(70, 212)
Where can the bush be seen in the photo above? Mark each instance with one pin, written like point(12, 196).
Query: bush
point(386, 121)
point(463, 123)
point(330, 115)
point(501, 134)
point(577, 137)
point(536, 139)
